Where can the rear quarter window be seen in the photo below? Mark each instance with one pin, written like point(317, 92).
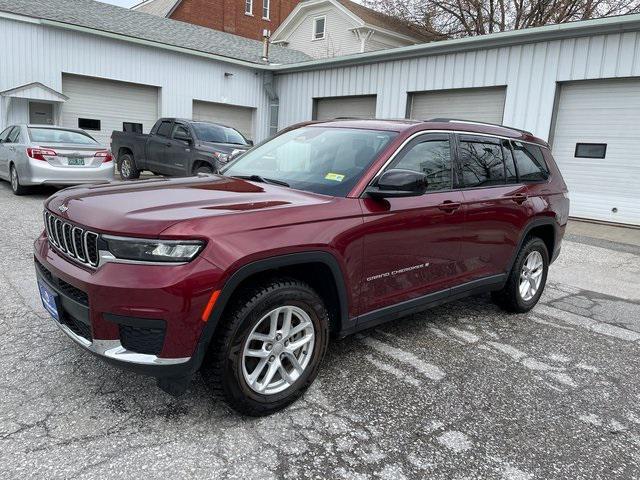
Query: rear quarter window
point(530, 162)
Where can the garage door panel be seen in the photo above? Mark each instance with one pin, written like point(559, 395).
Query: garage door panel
point(346, 107)
point(602, 111)
point(238, 117)
point(477, 104)
point(109, 101)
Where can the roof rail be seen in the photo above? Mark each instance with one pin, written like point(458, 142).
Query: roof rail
point(473, 122)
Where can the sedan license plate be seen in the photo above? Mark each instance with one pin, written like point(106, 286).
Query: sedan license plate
point(75, 161)
point(49, 300)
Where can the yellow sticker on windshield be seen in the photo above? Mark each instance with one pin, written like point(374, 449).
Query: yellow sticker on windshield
point(334, 176)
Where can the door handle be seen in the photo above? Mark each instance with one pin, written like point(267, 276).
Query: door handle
point(449, 206)
point(519, 198)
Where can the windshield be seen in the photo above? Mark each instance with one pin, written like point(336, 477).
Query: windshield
point(323, 160)
point(53, 135)
point(208, 132)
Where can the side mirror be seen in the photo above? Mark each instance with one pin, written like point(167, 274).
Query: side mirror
point(399, 183)
point(250, 143)
point(182, 137)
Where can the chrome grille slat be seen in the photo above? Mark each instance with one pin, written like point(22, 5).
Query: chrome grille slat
point(72, 241)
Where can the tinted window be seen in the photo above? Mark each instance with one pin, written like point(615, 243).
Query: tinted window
point(164, 129)
point(328, 161)
point(208, 132)
point(432, 157)
point(530, 162)
point(509, 163)
point(52, 135)
point(482, 162)
point(180, 130)
point(5, 134)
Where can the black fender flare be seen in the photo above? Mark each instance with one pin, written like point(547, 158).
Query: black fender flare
point(536, 222)
point(263, 265)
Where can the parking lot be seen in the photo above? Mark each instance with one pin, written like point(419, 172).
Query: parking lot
point(461, 391)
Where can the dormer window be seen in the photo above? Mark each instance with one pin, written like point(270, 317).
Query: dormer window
point(248, 7)
point(319, 24)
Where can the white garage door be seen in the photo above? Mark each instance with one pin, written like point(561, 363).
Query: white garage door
point(346, 107)
point(240, 118)
point(101, 106)
point(478, 104)
point(604, 115)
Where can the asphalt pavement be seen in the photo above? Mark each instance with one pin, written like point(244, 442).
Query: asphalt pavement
point(463, 391)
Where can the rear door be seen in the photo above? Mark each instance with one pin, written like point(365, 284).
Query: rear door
point(178, 154)
point(156, 150)
point(411, 244)
point(4, 152)
point(496, 205)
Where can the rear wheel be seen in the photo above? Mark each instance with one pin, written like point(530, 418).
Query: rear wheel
point(15, 182)
point(127, 164)
point(269, 351)
point(527, 279)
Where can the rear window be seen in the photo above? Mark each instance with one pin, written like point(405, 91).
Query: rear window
point(208, 132)
point(530, 162)
point(53, 135)
point(482, 162)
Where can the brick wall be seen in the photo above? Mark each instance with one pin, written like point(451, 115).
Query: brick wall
point(229, 16)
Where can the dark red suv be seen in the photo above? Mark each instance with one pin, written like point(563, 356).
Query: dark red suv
point(327, 228)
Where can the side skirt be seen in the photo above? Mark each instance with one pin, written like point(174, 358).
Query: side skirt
point(408, 307)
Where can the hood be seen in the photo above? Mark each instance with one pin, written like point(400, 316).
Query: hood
point(146, 208)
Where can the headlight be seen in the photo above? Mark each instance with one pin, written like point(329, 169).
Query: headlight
point(174, 251)
point(222, 157)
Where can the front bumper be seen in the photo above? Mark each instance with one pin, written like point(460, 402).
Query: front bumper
point(115, 311)
point(37, 172)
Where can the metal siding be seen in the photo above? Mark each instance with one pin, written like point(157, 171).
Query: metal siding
point(52, 52)
point(529, 71)
point(601, 111)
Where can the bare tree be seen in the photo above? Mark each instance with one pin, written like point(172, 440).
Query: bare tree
point(461, 18)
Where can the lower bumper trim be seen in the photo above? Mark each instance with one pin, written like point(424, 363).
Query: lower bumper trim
point(113, 349)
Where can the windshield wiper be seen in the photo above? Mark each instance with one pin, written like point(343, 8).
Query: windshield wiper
point(258, 178)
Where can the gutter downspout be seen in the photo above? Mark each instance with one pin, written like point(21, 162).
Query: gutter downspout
point(268, 83)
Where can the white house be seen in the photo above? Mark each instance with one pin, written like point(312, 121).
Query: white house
point(576, 85)
point(330, 28)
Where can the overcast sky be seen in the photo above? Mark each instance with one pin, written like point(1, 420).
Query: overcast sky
point(121, 3)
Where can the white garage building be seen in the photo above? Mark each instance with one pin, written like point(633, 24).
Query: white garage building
point(104, 68)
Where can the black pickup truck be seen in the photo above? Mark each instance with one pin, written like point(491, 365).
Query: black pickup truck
point(177, 148)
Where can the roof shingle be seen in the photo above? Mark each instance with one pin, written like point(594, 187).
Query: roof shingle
point(136, 24)
point(162, 8)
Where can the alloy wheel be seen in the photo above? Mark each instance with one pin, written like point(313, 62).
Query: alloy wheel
point(278, 350)
point(531, 275)
point(14, 179)
point(125, 168)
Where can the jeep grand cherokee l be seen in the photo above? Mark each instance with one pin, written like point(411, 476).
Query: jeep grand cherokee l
point(327, 228)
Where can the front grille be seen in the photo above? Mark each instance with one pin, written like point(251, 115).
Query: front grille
point(142, 340)
point(77, 327)
point(74, 242)
point(66, 288)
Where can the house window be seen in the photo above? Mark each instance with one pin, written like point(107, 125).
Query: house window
point(265, 9)
point(319, 27)
point(89, 124)
point(590, 150)
point(248, 7)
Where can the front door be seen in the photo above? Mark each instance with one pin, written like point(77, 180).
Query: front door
point(178, 157)
point(496, 205)
point(40, 113)
point(412, 244)
point(156, 149)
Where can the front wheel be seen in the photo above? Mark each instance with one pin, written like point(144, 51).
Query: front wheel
point(527, 279)
point(270, 348)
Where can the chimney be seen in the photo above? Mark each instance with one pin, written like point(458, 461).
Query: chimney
point(266, 35)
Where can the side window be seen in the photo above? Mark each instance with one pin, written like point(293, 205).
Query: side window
point(432, 157)
point(164, 130)
point(509, 163)
point(14, 135)
point(530, 162)
point(481, 161)
point(5, 134)
point(180, 130)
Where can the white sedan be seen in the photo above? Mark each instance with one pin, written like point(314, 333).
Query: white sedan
point(46, 155)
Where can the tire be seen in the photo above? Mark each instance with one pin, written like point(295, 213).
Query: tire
point(127, 167)
point(511, 297)
point(227, 370)
point(14, 180)
point(203, 169)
